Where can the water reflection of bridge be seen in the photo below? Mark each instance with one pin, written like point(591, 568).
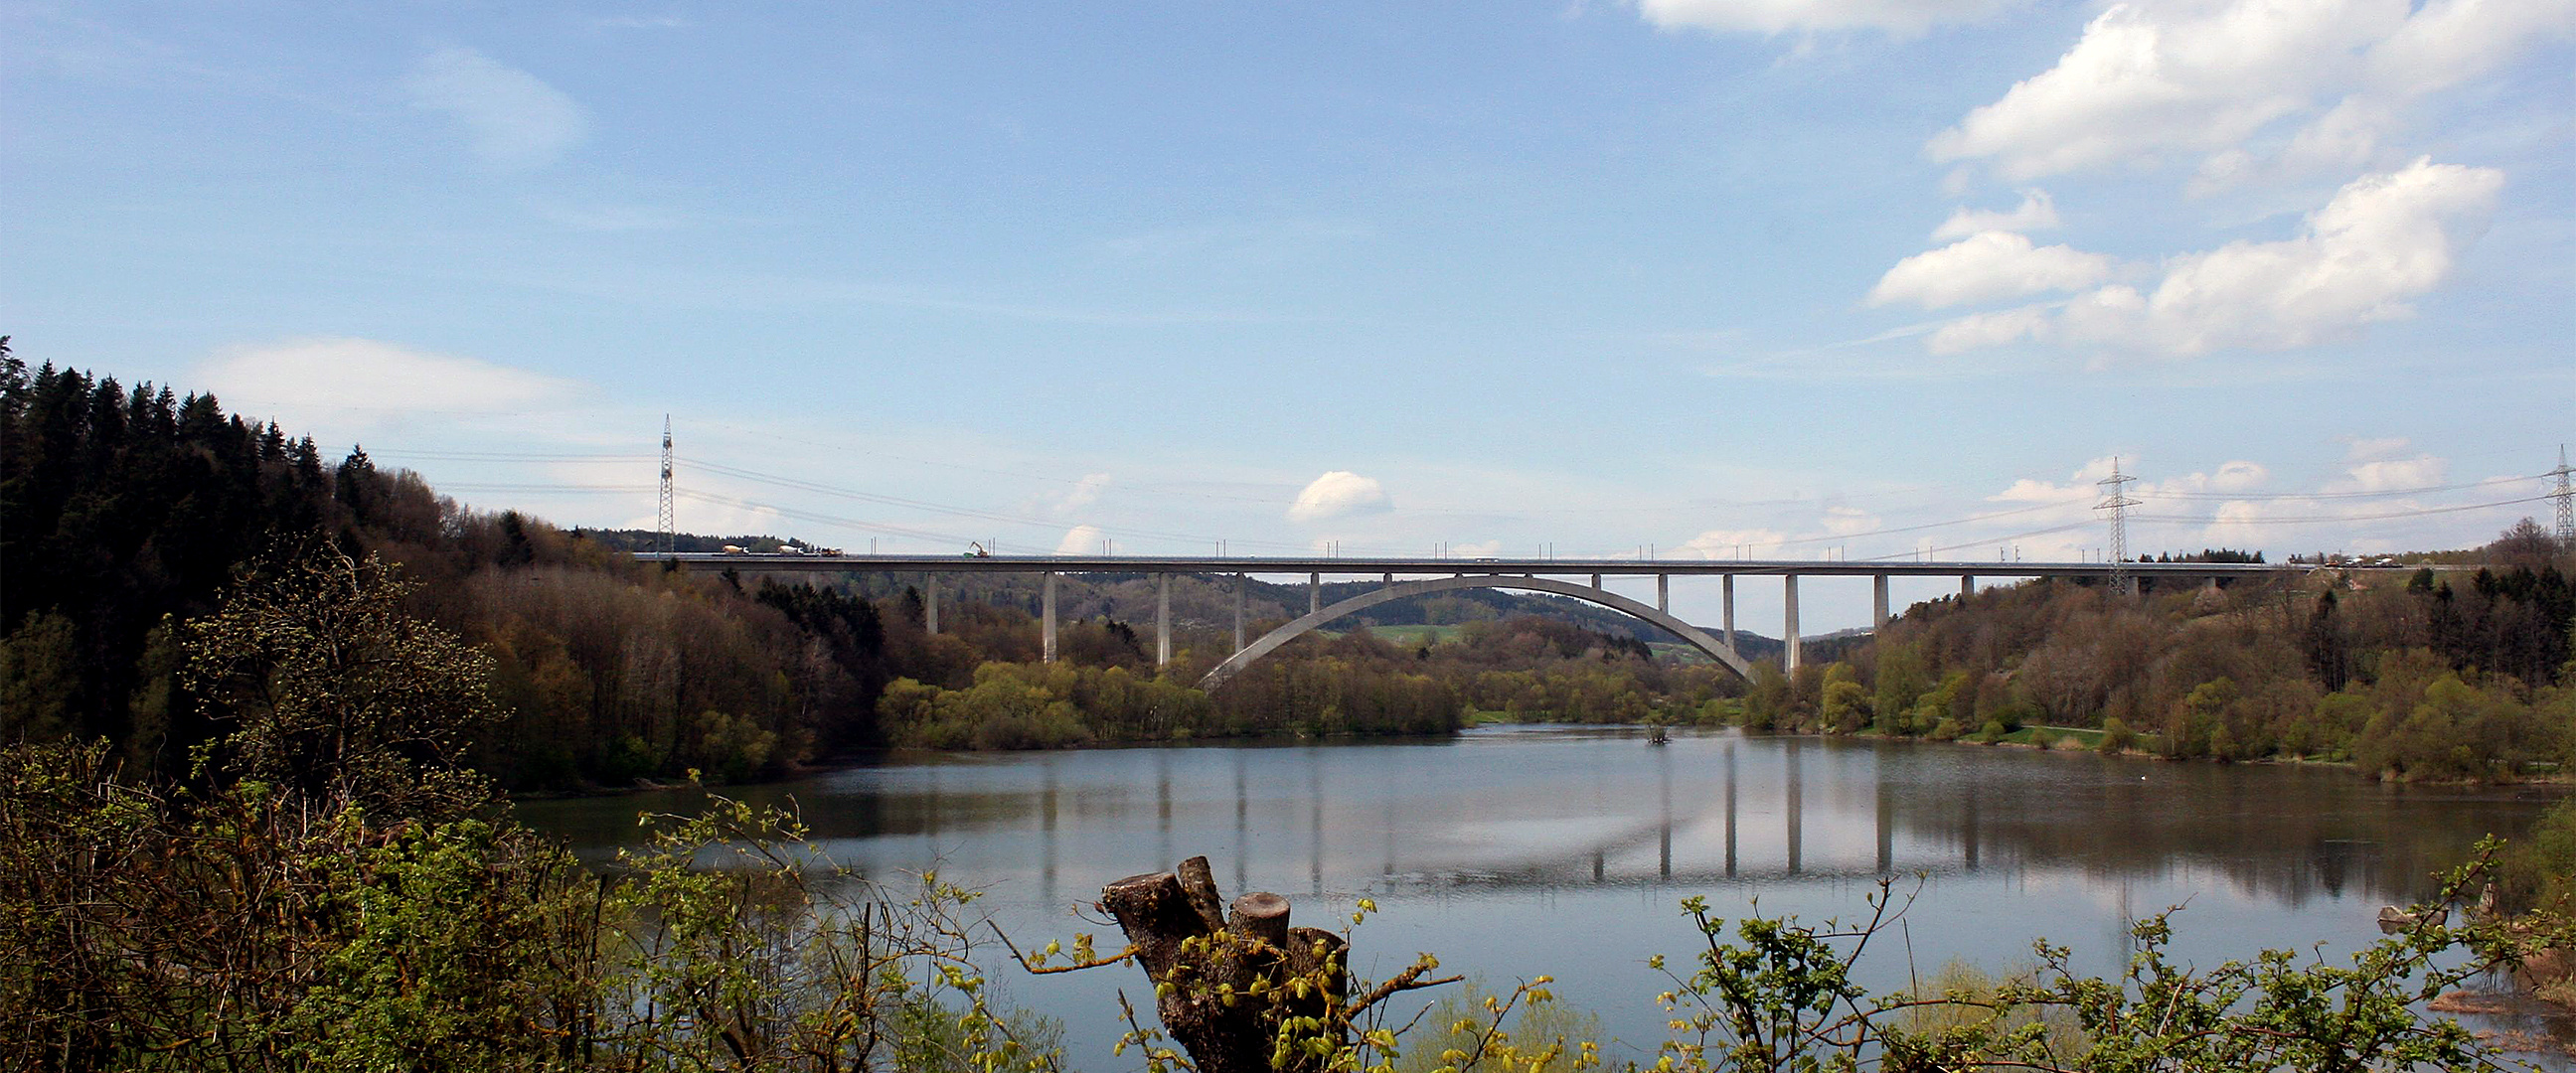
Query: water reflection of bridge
point(1707, 811)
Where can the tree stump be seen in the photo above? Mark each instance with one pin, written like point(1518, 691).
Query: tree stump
point(1227, 984)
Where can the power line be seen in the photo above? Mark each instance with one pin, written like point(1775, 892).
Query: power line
point(2154, 494)
point(2312, 518)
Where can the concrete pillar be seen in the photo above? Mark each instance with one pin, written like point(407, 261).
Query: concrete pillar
point(1596, 581)
point(1878, 602)
point(1967, 585)
point(1390, 578)
point(1162, 619)
point(1726, 590)
point(1238, 612)
point(1664, 593)
point(1789, 626)
point(930, 603)
point(1314, 593)
point(1046, 605)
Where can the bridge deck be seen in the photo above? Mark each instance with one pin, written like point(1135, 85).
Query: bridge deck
point(1430, 567)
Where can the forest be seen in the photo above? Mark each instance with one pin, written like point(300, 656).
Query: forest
point(130, 512)
point(127, 514)
point(2456, 674)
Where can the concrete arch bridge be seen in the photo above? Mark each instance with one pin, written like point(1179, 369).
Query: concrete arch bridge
point(1431, 575)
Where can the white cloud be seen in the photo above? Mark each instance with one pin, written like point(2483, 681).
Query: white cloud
point(2391, 474)
point(2151, 79)
point(511, 118)
point(2237, 476)
point(2450, 41)
point(1475, 550)
point(1083, 493)
point(2382, 241)
point(1979, 330)
point(1080, 540)
point(1735, 543)
point(2037, 212)
point(1845, 521)
point(1776, 16)
point(364, 374)
point(2147, 78)
point(1338, 494)
point(1986, 266)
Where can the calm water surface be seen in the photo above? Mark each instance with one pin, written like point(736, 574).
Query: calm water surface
point(1516, 851)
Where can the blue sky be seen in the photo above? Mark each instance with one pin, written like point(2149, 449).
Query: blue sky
point(1810, 277)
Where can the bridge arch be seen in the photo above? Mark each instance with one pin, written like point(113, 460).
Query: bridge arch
point(1295, 628)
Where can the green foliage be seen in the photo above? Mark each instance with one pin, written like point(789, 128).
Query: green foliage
point(1527, 1030)
point(1846, 706)
point(2323, 667)
point(334, 692)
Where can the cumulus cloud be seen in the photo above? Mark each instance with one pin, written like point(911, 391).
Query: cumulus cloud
point(1979, 330)
point(1337, 494)
point(1986, 266)
point(511, 119)
point(2382, 241)
point(368, 374)
point(1734, 543)
point(1776, 16)
point(2151, 79)
point(2237, 476)
point(1080, 540)
point(2037, 212)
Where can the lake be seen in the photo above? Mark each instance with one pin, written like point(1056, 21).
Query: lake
point(1513, 851)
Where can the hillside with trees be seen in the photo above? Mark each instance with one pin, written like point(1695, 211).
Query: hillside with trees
point(2446, 675)
point(127, 514)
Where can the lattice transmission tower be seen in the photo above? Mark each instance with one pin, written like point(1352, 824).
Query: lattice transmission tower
point(666, 521)
point(2566, 497)
point(2118, 503)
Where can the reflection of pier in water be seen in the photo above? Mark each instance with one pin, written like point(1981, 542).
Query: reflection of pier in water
point(1537, 812)
point(1408, 858)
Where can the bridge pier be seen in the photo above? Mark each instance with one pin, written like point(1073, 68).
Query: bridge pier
point(1967, 585)
point(1314, 593)
point(930, 603)
point(1596, 581)
point(1789, 629)
point(1046, 606)
point(1664, 593)
point(1878, 602)
point(1239, 585)
point(1162, 619)
point(1726, 590)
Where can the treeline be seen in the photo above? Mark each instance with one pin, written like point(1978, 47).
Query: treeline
point(1362, 682)
point(127, 513)
point(2450, 675)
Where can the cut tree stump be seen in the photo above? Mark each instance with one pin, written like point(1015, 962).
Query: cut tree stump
point(1227, 980)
